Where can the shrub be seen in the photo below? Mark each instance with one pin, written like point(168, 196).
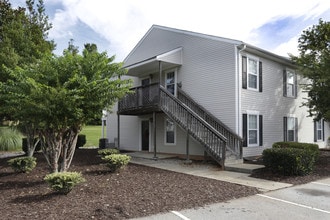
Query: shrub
point(311, 148)
point(9, 138)
point(116, 161)
point(23, 164)
point(63, 182)
point(289, 161)
point(106, 152)
point(81, 141)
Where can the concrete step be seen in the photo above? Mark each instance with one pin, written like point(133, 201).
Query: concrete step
point(243, 167)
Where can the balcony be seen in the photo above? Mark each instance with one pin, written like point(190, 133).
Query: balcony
point(142, 100)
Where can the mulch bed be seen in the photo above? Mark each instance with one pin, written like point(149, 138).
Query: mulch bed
point(135, 191)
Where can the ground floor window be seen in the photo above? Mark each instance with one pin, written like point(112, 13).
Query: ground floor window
point(169, 131)
point(319, 130)
point(290, 125)
point(252, 129)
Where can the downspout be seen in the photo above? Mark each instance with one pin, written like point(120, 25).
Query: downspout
point(240, 48)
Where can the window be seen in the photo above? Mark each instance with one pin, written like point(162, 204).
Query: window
point(169, 131)
point(290, 84)
point(319, 130)
point(290, 129)
point(252, 129)
point(251, 74)
point(170, 82)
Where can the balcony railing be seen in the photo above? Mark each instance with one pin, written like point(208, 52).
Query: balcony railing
point(142, 100)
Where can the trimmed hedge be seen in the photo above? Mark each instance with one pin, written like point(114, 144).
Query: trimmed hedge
point(312, 148)
point(291, 158)
point(23, 164)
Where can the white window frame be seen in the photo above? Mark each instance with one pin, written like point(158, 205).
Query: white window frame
point(319, 128)
point(175, 80)
point(165, 131)
point(289, 118)
point(289, 84)
point(251, 73)
point(256, 114)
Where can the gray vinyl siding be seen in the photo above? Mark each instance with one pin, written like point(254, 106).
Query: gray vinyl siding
point(270, 103)
point(180, 145)
point(208, 70)
point(274, 106)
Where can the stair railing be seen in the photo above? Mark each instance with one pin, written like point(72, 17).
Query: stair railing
point(213, 141)
point(234, 141)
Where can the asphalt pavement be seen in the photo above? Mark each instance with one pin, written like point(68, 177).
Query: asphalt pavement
point(307, 201)
point(276, 200)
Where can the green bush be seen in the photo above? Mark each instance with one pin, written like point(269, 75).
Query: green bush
point(23, 164)
point(106, 152)
point(116, 161)
point(289, 161)
point(63, 182)
point(311, 148)
point(9, 139)
point(81, 141)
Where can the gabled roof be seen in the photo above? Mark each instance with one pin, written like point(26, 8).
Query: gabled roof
point(240, 44)
point(191, 33)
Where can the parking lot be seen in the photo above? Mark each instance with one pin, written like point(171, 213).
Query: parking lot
point(307, 201)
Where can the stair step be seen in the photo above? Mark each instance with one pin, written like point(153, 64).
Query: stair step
point(243, 167)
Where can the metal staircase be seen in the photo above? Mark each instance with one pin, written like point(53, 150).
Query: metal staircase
point(215, 143)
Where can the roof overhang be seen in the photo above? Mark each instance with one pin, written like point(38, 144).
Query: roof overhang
point(169, 60)
point(264, 53)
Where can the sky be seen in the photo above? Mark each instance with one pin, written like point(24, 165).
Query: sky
point(116, 26)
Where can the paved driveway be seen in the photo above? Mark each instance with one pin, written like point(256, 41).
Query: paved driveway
point(307, 201)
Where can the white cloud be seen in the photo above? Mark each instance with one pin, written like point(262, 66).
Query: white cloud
point(123, 23)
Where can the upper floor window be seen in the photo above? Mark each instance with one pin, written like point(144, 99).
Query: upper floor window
point(290, 83)
point(170, 82)
point(251, 73)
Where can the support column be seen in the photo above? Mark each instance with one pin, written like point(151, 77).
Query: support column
point(118, 131)
point(160, 68)
point(155, 134)
point(188, 161)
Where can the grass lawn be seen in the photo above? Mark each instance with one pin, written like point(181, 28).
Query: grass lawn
point(93, 134)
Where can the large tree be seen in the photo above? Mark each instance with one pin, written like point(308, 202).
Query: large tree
point(59, 94)
point(313, 62)
point(23, 40)
point(23, 35)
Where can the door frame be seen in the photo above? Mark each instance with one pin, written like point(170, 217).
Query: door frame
point(143, 120)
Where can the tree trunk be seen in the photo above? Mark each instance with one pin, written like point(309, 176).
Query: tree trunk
point(59, 147)
point(51, 142)
point(69, 146)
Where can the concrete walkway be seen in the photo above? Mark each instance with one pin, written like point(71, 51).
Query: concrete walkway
point(167, 162)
